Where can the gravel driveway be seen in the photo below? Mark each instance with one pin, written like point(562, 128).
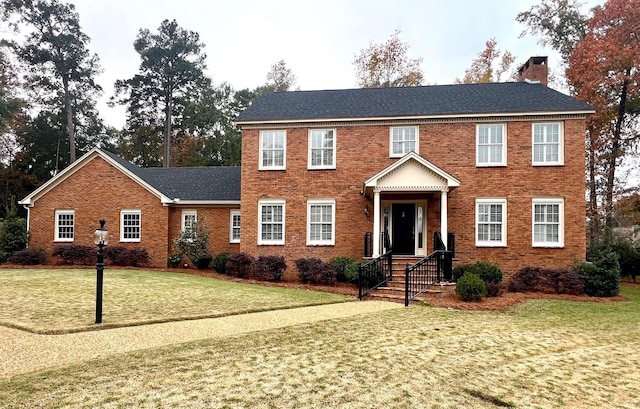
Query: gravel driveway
point(22, 351)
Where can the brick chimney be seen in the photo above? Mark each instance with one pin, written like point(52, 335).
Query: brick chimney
point(535, 70)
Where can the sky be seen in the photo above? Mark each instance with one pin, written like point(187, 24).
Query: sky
point(317, 39)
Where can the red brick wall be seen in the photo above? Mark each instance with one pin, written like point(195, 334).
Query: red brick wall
point(99, 191)
point(363, 151)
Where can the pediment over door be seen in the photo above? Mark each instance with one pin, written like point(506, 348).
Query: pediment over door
point(411, 173)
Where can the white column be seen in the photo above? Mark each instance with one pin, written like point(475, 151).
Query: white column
point(443, 216)
point(376, 224)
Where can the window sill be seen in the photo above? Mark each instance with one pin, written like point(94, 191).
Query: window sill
point(547, 246)
point(539, 165)
point(491, 165)
point(489, 245)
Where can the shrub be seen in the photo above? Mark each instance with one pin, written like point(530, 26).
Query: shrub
point(219, 262)
point(470, 287)
point(122, 256)
point(602, 277)
point(270, 268)
point(240, 265)
point(346, 269)
point(487, 272)
point(628, 257)
point(13, 236)
point(313, 270)
point(526, 279)
point(28, 257)
point(195, 244)
point(76, 254)
point(564, 281)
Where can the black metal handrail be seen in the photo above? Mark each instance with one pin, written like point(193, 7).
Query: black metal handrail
point(425, 273)
point(374, 274)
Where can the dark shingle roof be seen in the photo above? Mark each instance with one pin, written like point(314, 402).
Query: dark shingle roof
point(460, 99)
point(213, 183)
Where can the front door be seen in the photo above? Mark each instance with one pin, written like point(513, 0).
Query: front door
point(403, 225)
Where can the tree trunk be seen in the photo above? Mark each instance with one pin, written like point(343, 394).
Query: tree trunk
point(592, 210)
point(166, 160)
point(70, 128)
point(615, 151)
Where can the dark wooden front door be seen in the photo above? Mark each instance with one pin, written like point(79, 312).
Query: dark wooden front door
point(403, 219)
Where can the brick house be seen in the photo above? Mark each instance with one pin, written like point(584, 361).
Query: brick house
point(144, 207)
point(500, 165)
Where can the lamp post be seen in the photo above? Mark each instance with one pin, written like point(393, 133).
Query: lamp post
point(101, 239)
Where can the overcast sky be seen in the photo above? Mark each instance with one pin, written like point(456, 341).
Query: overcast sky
point(317, 39)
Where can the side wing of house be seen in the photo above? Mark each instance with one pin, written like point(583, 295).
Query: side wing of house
point(67, 211)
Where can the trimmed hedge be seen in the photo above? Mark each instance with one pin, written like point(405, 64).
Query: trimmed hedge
point(219, 262)
point(240, 265)
point(28, 257)
point(315, 271)
point(114, 255)
point(270, 268)
point(487, 272)
point(346, 268)
point(561, 280)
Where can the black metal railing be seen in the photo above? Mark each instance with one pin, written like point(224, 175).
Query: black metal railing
point(368, 244)
point(374, 274)
point(425, 273)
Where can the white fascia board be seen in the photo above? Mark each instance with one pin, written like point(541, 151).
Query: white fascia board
point(178, 201)
point(416, 117)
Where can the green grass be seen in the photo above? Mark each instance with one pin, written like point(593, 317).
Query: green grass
point(64, 300)
point(541, 354)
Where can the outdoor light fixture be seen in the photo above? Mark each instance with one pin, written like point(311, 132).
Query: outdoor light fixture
point(101, 239)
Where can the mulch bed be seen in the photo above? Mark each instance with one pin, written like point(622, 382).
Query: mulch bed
point(446, 299)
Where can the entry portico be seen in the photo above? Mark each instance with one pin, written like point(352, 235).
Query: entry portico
point(400, 193)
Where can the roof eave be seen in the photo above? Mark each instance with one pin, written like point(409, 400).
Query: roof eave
point(416, 117)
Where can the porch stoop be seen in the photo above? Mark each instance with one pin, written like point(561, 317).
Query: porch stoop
point(395, 288)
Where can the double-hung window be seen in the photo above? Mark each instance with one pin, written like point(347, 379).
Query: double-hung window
point(271, 222)
point(548, 222)
point(130, 225)
point(322, 149)
point(321, 216)
point(273, 150)
point(189, 223)
point(402, 140)
point(65, 220)
point(548, 149)
point(234, 227)
point(491, 145)
point(491, 222)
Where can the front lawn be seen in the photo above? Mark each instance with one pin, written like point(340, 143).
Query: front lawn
point(540, 354)
point(64, 300)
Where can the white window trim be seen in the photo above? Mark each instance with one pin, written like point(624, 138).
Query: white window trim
point(284, 151)
point(335, 144)
point(553, 201)
point(123, 212)
point(560, 161)
point(504, 146)
point(497, 200)
point(233, 213)
point(400, 155)
point(321, 202)
point(56, 233)
point(261, 203)
point(183, 224)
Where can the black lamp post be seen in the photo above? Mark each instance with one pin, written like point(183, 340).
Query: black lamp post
point(101, 239)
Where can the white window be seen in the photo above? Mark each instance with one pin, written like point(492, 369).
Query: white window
point(271, 222)
point(321, 222)
point(548, 222)
point(273, 150)
point(130, 225)
point(491, 149)
point(189, 222)
point(491, 222)
point(403, 140)
point(65, 220)
point(322, 149)
point(234, 229)
point(548, 146)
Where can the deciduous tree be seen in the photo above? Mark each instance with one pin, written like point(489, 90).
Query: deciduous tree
point(171, 71)
point(280, 78)
point(604, 70)
point(489, 66)
point(387, 65)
